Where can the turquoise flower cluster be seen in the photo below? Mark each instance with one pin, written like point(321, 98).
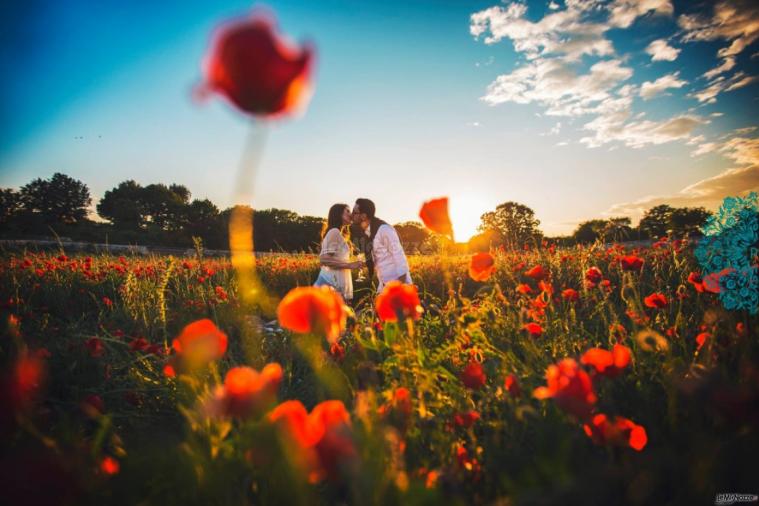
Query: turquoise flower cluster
point(727, 250)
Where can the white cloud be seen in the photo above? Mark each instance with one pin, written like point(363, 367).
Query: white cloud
point(736, 21)
point(727, 64)
point(553, 83)
point(704, 148)
point(560, 32)
point(625, 12)
point(553, 6)
point(661, 51)
point(650, 89)
point(615, 127)
point(722, 84)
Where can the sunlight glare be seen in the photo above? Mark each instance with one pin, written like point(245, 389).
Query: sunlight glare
point(465, 211)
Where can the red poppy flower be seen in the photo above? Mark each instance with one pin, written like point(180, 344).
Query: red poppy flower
point(533, 329)
point(607, 363)
point(570, 387)
point(321, 441)
point(467, 419)
point(694, 278)
point(23, 384)
point(482, 266)
point(200, 342)
point(95, 346)
point(701, 339)
point(593, 275)
point(313, 310)
point(523, 288)
point(473, 376)
point(247, 392)
point(631, 263)
point(109, 465)
point(434, 215)
point(617, 432)
point(512, 386)
point(257, 69)
point(398, 300)
point(656, 300)
point(570, 294)
point(537, 273)
point(139, 344)
point(546, 287)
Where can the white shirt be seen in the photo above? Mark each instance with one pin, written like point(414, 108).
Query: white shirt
point(334, 245)
point(389, 259)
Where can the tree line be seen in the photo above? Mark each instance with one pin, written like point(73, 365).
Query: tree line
point(161, 215)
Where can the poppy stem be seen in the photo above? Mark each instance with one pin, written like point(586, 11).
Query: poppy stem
point(241, 246)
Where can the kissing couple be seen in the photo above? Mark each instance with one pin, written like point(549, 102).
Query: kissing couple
point(375, 240)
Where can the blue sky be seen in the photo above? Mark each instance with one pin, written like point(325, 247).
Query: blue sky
point(571, 108)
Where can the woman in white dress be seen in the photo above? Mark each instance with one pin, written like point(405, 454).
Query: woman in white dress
point(336, 253)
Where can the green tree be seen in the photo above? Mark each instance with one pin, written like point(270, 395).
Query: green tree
point(201, 219)
point(617, 229)
point(123, 206)
point(412, 235)
point(590, 231)
point(685, 221)
point(10, 205)
point(656, 221)
point(60, 199)
point(515, 222)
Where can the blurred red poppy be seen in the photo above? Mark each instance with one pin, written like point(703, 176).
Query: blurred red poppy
point(570, 387)
point(434, 215)
point(533, 329)
point(481, 266)
point(617, 432)
point(473, 376)
point(109, 465)
point(537, 273)
point(607, 363)
point(247, 392)
point(200, 342)
point(511, 384)
point(398, 300)
point(467, 419)
point(656, 300)
point(694, 278)
point(310, 309)
point(631, 263)
point(570, 294)
point(524, 288)
point(701, 339)
point(593, 275)
point(257, 69)
point(95, 346)
point(321, 441)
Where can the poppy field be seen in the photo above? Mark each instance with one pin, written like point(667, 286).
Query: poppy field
point(595, 375)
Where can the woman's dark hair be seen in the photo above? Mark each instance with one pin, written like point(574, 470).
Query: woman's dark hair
point(334, 218)
point(366, 206)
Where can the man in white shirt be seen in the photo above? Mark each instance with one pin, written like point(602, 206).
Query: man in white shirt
point(383, 249)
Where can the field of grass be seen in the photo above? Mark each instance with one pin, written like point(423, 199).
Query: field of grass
point(569, 376)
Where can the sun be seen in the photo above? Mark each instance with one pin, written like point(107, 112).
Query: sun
point(465, 211)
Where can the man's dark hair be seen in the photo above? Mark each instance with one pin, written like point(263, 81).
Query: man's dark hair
point(366, 206)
